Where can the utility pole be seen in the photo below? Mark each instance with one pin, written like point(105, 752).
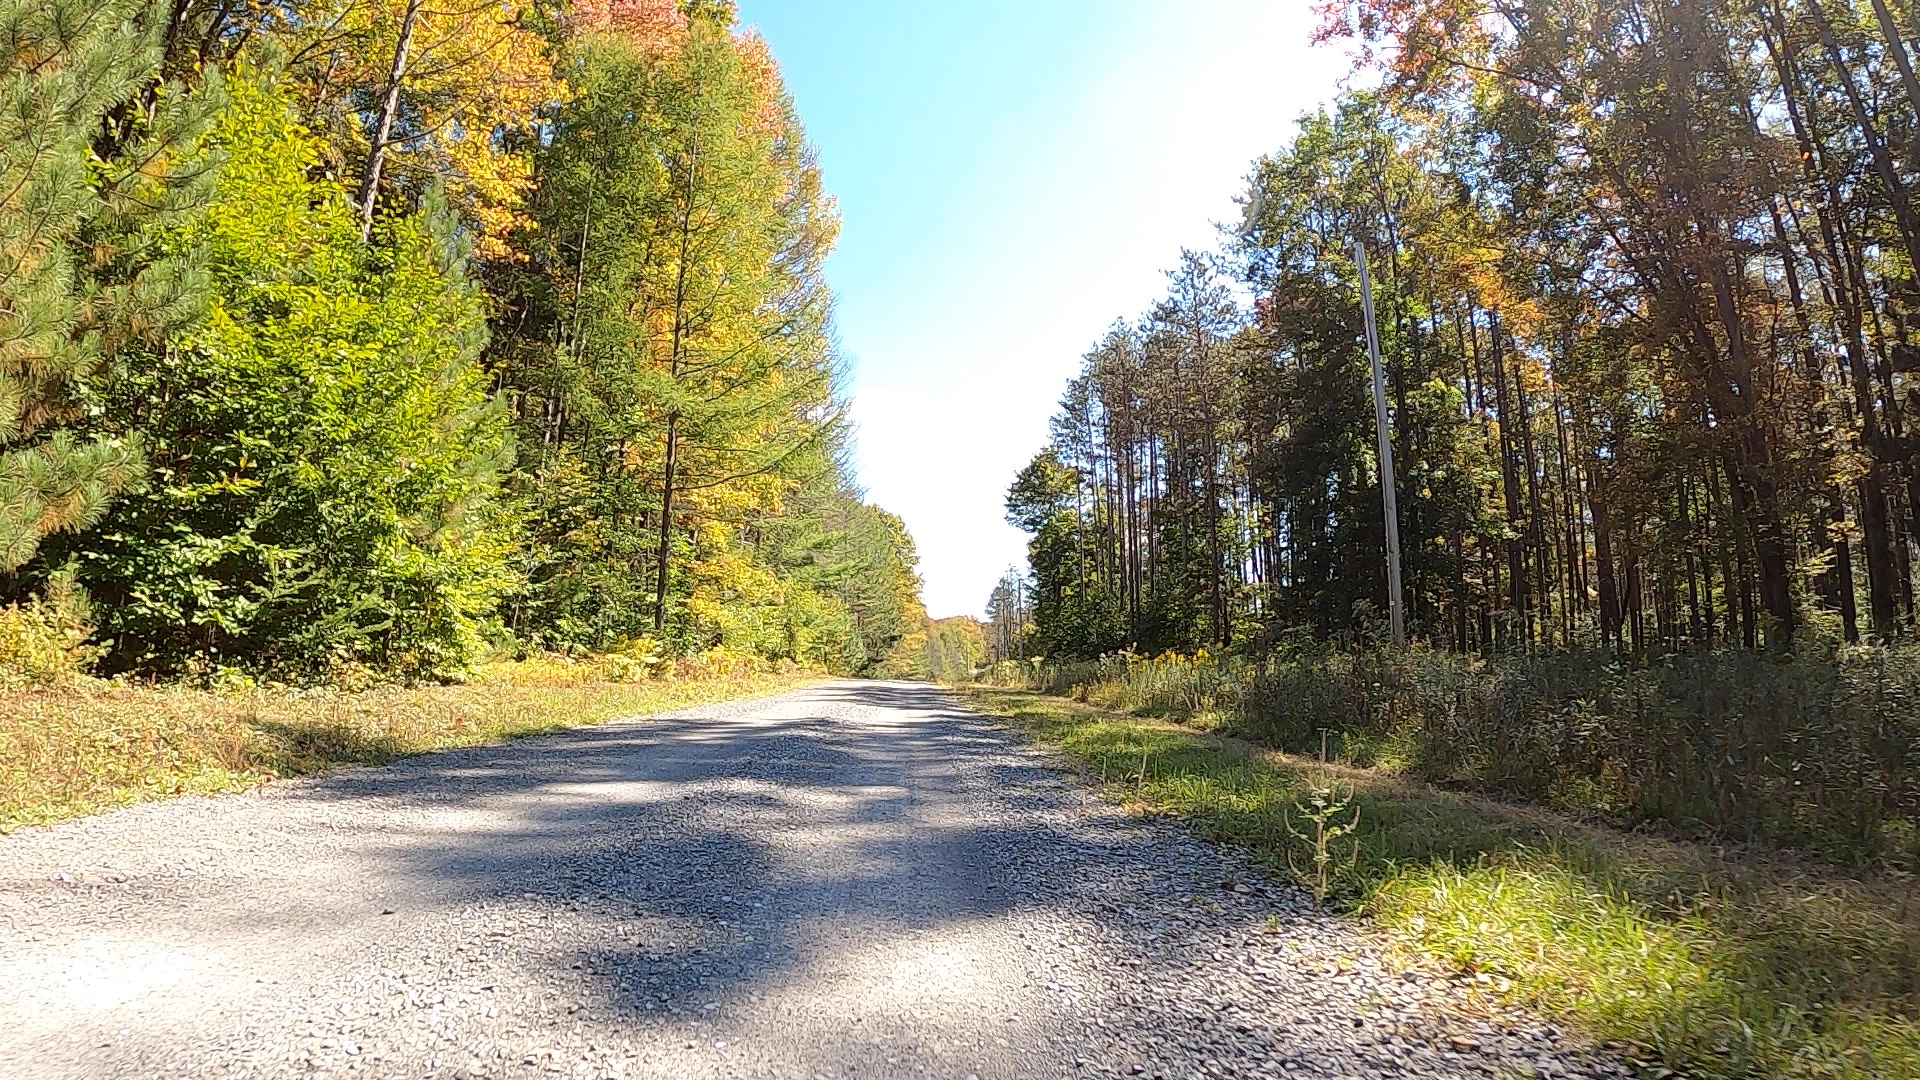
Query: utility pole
point(1388, 494)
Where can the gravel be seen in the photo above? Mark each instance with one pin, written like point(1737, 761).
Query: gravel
point(855, 880)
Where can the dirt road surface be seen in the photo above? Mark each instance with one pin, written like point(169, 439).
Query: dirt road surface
point(854, 880)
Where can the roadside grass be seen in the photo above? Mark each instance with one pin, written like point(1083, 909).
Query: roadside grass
point(90, 747)
point(1715, 962)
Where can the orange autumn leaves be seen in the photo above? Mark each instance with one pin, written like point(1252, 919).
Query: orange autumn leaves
point(477, 77)
point(659, 28)
point(1424, 39)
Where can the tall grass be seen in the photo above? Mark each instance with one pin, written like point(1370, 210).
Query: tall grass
point(1813, 751)
point(91, 745)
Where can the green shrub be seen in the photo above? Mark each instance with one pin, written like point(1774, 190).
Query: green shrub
point(323, 447)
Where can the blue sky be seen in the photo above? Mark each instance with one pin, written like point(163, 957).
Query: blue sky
point(1012, 177)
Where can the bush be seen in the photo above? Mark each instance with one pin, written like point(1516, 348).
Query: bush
point(323, 447)
point(44, 642)
point(1816, 751)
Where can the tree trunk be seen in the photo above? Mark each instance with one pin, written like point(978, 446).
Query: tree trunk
point(383, 127)
point(675, 350)
point(1517, 586)
point(1883, 165)
point(1610, 611)
point(664, 554)
point(1897, 47)
point(1849, 293)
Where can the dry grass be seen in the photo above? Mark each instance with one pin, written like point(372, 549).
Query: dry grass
point(1812, 750)
point(91, 747)
point(1719, 962)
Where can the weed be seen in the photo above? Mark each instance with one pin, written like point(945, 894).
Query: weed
point(1814, 751)
point(44, 642)
point(1321, 808)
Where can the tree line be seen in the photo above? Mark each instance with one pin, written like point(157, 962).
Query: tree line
point(368, 335)
point(1645, 274)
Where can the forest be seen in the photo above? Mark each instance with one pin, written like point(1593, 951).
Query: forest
point(346, 339)
point(1646, 294)
point(1647, 301)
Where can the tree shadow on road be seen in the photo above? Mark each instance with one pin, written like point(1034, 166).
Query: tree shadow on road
point(715, 857)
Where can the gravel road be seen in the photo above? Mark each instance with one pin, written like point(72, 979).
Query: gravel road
point(854, 880)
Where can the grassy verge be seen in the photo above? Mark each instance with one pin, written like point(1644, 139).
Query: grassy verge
point(1719, 963)
point(1813, 750)
point(75, 751)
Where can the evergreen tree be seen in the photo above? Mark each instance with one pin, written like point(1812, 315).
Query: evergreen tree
point(271, 320)
point(1645, 282)
point(91, 163)
point(1009, 618)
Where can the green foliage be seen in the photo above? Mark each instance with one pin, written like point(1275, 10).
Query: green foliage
point(673, 370)
point(850, 568)
point(1326, 815)
point(954, 650)
point(324, 450)
point(90, 163)
point(274, 446)
point(1075, 613)
point(1042, 492)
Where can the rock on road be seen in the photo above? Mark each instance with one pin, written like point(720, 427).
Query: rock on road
point(853, 880)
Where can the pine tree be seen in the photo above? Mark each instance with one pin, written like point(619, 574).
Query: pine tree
point(90, 156)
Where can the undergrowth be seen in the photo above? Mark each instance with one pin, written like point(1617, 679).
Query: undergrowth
point(1817, 750)
point(1718, 962)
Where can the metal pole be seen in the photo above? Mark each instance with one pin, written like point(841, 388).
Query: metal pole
point(1388, 495)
